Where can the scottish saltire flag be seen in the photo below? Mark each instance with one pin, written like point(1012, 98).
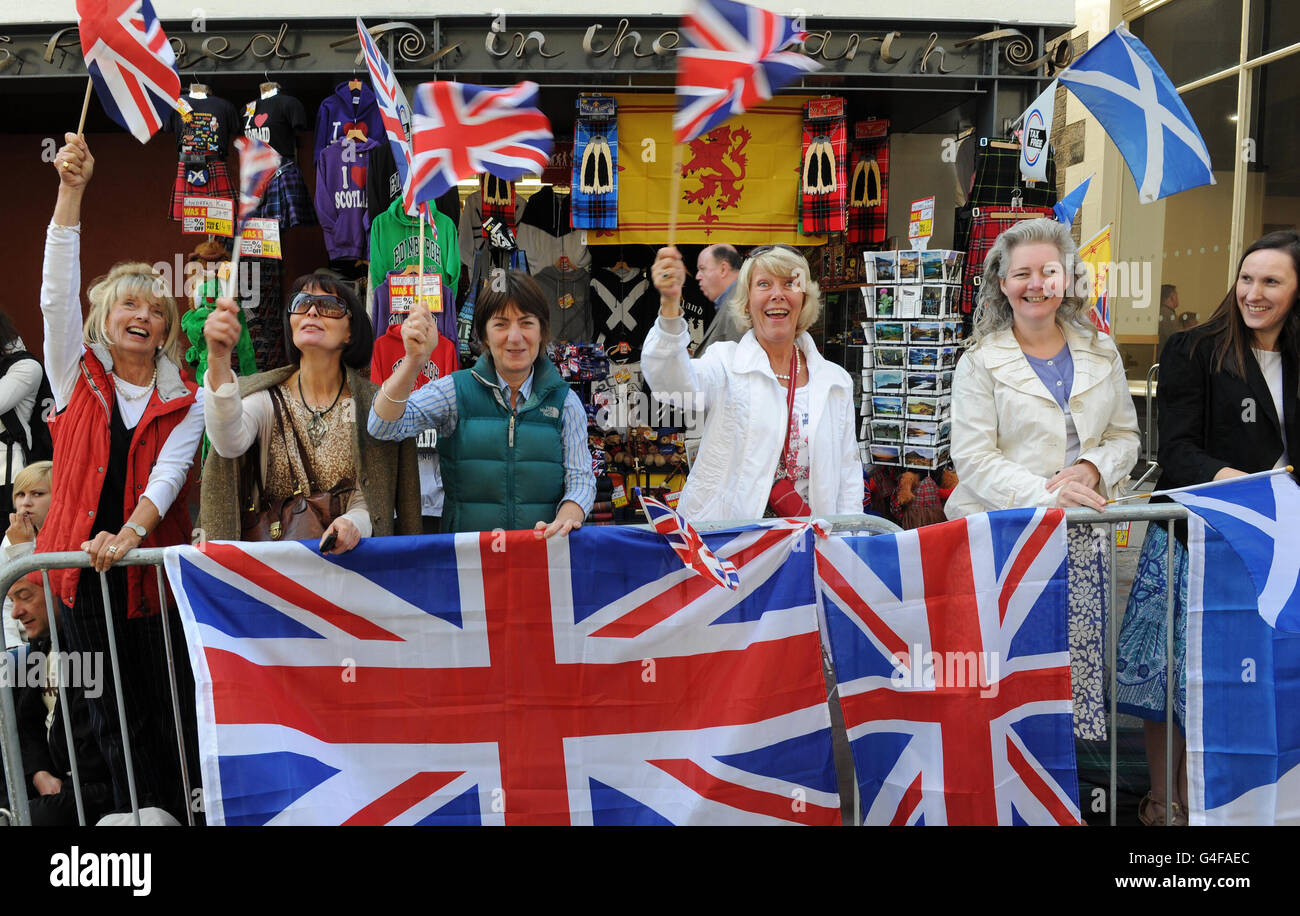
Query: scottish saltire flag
point(1068, 206)
point(1243, 686)
point(1260, 518)
point(392, 102)
point(734, 59)
point(1120, 83)
point(130, 62)
point(953, 669)
point(687, 543)
point(258, 163)
point(459, 130)
point(503, 679)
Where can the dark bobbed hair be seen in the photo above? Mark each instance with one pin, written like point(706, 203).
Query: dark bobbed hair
point(8, 333)
point(504, 288)
point(1226, 330)
point(356, 355)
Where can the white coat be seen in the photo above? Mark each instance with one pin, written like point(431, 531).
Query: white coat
point(1008, 433)
point(745, 421)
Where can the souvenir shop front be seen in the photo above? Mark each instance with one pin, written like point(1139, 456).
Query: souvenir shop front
point(899, 113)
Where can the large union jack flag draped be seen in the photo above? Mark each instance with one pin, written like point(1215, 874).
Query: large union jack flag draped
point(130, 63)
point(502, 679)
point(950, 650)
point(459, 130)
point(391, 99)
point(733, 60)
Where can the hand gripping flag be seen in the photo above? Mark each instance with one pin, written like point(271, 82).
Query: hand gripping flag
point(950, 651)
point(1243, 654)
point(733, 60)
point(258, 162)
point(459, 130)
point(688, 544)
point(130, 63)
point(1122, 86)
point(505, 679)
point(392, 102)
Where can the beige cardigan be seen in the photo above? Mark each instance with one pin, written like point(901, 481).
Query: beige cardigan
point(389, 483)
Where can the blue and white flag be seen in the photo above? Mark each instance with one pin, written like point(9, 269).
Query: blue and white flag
point(1036, 123)
point(1067, 208)
point(1243, 675)
point(1120, 83)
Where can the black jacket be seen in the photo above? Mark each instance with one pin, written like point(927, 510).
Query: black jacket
point(1213, 420)
point(48, 750)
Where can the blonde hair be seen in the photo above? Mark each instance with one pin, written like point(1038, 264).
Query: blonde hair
point(783, 263)
point(33, 474)
point(140, 281)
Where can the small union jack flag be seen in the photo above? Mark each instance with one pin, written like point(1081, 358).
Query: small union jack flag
point(687, 544)
point(258, 162)
point(130, 63)
point(459, 130)
point(734, 61)
point(392, 102)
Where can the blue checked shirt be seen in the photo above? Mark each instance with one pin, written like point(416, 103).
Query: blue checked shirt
point(434, 406)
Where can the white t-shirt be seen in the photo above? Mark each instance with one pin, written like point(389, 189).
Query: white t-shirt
point(1270, 364)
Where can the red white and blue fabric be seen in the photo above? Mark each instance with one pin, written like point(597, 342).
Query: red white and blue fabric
point(950, 650)
point(130, 63)
point(505, 679)
point(459, 130)
point(1100, 313)
point(688, 544)
point(392, 103)
point(258, 162)
point(732, 61)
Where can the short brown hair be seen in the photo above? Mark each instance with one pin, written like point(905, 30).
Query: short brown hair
point(504, 288)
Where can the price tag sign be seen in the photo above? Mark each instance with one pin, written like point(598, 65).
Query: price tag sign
point(402, 291)
point(260, 238)
point(619, 497)
point(208, 216)
point(920, 222)
point(671, 498)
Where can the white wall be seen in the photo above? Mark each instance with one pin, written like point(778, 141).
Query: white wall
point(1038, 12)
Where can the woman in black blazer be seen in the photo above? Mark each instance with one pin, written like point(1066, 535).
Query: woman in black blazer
point(1227, 400)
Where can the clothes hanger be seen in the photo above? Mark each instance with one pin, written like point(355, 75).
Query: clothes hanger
point(268, 88)
point(199, 90)
point(356, 134)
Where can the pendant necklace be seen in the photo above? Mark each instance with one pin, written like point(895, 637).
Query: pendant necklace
point(316, 426)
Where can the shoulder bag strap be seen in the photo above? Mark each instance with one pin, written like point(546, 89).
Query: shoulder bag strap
point(789, 413)
point(302, 451)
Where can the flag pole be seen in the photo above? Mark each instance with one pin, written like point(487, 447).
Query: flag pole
point(1202, 486)
point(419, 280)
point(85, 106)
point(675, 195)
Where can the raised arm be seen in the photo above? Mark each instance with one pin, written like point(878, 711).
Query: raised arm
point(61, 273)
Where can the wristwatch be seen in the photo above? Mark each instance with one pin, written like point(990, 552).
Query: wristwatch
point(139, 529)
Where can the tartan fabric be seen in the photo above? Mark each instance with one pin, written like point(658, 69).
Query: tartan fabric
point(498, 197)
point(218, 184)
point(265, 312)
point(824, 172)
point(868, 219)
point(997, 175)
point(984, 231)
point(288, 201)
point(594, 195)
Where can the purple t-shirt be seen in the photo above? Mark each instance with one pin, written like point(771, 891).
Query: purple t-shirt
point(1056, 373)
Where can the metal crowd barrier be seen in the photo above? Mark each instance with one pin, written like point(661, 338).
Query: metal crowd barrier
point(15, 779)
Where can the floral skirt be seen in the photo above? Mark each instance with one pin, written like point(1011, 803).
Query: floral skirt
point(1141, 662)
point(1088, 560)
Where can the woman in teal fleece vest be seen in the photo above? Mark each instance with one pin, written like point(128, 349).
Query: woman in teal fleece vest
point(512, 437)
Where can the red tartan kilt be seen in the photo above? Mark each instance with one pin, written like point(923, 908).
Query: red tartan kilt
point(218, 186)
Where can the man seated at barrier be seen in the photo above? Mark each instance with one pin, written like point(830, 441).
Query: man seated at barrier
point(41, 733)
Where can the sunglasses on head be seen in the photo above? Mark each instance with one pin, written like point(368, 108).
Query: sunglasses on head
point(764, 249)
point(327, 306)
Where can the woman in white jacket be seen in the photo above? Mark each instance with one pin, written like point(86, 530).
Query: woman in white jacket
point(1042, 416)
point(743, 389)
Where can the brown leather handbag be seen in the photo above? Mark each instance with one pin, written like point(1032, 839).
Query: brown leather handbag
point(299, 517)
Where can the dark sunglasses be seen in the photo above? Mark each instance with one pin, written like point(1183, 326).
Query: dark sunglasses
point(327, 306)
point(764, 249)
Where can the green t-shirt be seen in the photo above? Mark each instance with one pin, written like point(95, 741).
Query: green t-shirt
point(394, 243)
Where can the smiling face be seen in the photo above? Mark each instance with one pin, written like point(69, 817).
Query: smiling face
point(1034, 284)
point(514, 339)
point(774, 307)
point(33, 502)
point(29, 607)
point(1266, 293)
point(137, 324)
point(311, 330)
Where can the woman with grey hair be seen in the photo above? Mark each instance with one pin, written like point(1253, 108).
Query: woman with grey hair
point(778, 418)
point(1042, 416)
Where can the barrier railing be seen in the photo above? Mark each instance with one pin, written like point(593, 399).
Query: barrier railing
point(14, 773)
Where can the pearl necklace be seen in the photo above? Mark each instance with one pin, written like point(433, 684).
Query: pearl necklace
point(135, 397)
point(798, 364)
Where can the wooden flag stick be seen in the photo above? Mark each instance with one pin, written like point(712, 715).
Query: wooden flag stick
point(234, 266)
point(419, 278)
point(1202, 486)
point(674, 197)
point(85, 106)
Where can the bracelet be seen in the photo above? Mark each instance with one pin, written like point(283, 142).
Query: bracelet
point(384, 391)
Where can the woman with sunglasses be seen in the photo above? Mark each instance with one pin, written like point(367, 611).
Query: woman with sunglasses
point(317, 397)
point(779, 419)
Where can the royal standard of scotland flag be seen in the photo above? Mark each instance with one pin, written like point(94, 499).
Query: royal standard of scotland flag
point(1243, 675)
point(1122, 86)
point(501, 679)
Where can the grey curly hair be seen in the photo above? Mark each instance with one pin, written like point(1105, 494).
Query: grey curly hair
point(993, 311)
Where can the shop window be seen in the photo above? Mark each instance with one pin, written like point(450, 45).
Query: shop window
point(1273, 169)
point(1273, 24)
point(1194, 38)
